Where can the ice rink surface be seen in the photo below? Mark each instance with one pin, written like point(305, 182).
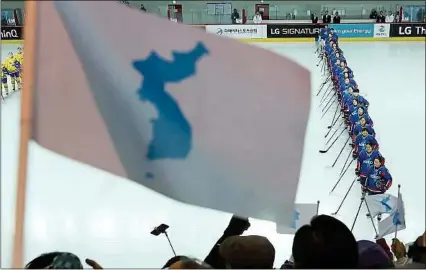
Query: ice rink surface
point(73, 207)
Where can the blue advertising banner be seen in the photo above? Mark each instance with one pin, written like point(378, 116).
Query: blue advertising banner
point(355, 30)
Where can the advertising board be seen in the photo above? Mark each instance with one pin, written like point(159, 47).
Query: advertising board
point(355, 30)
point(408, 30)
point(12, 33)
point(293, 30)
point(238, 31)
point(381, 30)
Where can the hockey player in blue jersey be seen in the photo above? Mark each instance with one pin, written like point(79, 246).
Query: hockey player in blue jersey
point(360, 98)
point(348, 83)
point(347, 98)
point(361, 140)
point(350, 96)
point(335, 55)
point(365, 160)
point(378, 179)
point(344, 67)
point(355, 117)
point(351, 107)
point(323, 33)
point(345, 81)
point(360, 126)
point(333, 34)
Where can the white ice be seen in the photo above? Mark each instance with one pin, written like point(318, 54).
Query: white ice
point(73, 207)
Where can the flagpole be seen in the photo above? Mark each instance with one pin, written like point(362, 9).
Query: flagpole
point(318, 203)
point(397, 205)
point(26, 117)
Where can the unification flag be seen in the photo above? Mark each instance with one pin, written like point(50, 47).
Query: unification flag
point(302, 215)
point(170, 107)
point(381, 204)
point(395, 221)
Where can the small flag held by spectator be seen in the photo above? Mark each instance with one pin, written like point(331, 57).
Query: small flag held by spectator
point(395, 221)
point(381, 203)
point(303, 213)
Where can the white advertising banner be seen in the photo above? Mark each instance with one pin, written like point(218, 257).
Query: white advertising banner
point(238, 30)
point(381, 30)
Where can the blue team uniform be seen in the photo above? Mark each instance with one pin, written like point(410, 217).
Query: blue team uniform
point(360, 142)
point(378, 180)
point(363, 101)
point(351, 83)
point(354, 119)
point(365, 161)
point(322, 33)
point(358, 129)
point(347, 98)
point(353, 109)
point(333, 57)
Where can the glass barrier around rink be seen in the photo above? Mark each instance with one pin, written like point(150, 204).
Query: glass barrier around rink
point(217, 12)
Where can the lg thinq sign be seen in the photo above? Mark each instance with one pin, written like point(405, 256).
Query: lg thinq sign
point(11, 33)
point(408, 30)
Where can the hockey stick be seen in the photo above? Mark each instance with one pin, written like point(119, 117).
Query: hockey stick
point(334, 133)
point(346, 161)
point(334, 116)
point(324, 98)
point(357, 212)
point(335, 121)
point(332, 98)
point(368, 209)
point(329, 107)
point(341, 177)
point(331, 145)
point(331, 127)
point(322, 86)
point(340, 153)
point(326, 92)
point(344, 198)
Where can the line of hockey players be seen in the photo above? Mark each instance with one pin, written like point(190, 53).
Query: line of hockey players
point(11, 68)
point(374, 177)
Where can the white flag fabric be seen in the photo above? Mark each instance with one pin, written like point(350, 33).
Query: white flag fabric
point(170, 107)
point(302, 215)
point(381, 203)
point(395, 221)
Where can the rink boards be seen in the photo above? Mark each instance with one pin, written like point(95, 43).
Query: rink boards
point(304, 32)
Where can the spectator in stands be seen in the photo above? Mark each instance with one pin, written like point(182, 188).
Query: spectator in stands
point(328, 18)
point(248, 252)
point(237, 226)
point(373, 14)
point(314, 18)
point(142, 8)
point(382, 242)
point(324, 17)
point(390, 18)
point(325, 243)
point(336, 18)
point(257, 18)
point(417, 253)
point(59, 260)
point(381, 18)
point(400, 253)
point(189, 264)
point(235, 16)
point(372, 256)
